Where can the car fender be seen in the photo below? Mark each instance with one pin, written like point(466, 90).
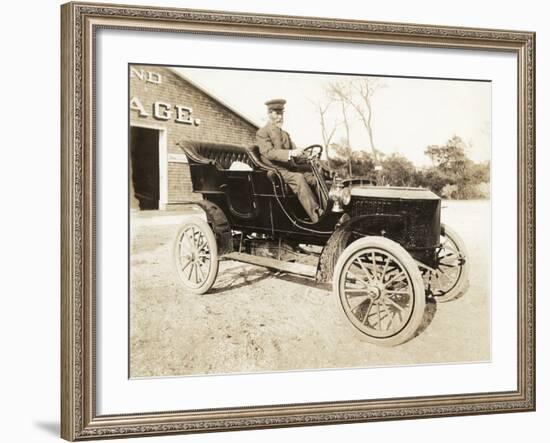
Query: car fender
point(217, 220)
point(340, 238)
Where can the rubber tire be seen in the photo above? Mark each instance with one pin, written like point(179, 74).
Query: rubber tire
point(202, 226)
point(409, 265)
point(463, 283)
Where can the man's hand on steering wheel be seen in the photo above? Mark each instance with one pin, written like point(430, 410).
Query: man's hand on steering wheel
point(309, 152)
point(312, 151)
point(296, 152)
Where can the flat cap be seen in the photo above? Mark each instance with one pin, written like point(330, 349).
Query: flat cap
point(277, 104)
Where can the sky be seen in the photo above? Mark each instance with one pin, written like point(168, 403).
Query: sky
point(409, 114)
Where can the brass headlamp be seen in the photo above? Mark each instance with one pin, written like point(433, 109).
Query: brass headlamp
point(340, 195)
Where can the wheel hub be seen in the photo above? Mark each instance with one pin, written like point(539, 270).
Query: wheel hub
point(374, 291)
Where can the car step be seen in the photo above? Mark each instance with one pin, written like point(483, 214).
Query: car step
point(271, 263)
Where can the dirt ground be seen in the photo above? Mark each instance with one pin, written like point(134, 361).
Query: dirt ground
point(255, 320)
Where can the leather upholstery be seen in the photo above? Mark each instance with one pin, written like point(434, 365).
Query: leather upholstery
point(220, 154)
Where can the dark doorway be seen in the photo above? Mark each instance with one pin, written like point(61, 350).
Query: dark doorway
point(144, 161)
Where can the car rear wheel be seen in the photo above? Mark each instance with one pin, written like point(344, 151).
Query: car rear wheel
point(380, 289)
point(450, 281)
point(196, 256)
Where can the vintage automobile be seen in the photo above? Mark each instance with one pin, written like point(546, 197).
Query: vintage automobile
point(382, 248)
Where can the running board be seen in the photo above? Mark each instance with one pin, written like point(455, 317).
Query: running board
point(271, 263)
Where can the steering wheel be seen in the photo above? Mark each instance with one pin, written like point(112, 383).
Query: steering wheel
point(312, 151)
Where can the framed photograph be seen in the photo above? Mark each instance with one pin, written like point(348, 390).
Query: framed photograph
point(277, 221)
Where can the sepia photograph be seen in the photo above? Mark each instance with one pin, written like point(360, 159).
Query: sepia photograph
point(272, 220)
point(292, 221)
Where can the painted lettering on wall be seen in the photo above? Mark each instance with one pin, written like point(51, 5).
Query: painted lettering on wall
point(146, 76)
point(165, 111)
point(135, 105)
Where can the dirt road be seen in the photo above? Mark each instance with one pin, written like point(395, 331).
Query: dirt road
point(255, 320)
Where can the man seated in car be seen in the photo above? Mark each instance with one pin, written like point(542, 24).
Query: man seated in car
point(277, 149)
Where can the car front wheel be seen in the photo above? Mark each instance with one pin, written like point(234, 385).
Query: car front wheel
point(381, 291)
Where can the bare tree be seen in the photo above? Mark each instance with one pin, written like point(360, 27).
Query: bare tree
point(364, 89)
point(356, 95)
point(340, 92)
point(327, 132)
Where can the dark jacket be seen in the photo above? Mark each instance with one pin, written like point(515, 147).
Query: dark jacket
point(274, 144)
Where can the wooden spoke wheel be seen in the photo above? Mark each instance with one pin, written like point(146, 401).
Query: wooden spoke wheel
point(449, 280)
point(380, 289)
point(196, 256)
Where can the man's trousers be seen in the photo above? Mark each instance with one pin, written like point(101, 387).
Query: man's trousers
point(301, 184)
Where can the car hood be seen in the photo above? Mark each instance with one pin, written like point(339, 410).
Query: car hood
point(393, 192)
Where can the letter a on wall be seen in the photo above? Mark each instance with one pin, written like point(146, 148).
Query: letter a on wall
point(135, 105)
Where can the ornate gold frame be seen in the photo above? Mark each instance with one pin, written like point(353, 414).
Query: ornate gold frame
point(79, 420)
